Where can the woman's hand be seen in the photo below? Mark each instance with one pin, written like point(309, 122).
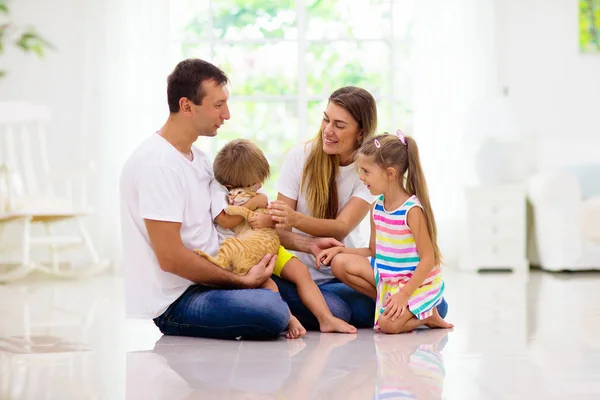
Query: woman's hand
point(283, 215)
point(260, 220)
point(396, 305)
point(325, 256)
point(317, 245)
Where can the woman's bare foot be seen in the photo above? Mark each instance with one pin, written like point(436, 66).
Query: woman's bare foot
point(295, 329)
point(435, 321)
point(334, 324)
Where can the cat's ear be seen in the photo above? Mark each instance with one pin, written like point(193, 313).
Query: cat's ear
point(229, 187)
point(256, 187)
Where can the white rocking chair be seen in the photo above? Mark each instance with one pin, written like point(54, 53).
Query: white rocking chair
point(28, 196)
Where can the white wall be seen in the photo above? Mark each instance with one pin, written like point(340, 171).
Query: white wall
point(555, 88)
point(56, 80)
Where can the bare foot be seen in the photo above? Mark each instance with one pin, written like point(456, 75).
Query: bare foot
point(295, 329)
point(295, 346)
point(435, 321)
point(334, 324)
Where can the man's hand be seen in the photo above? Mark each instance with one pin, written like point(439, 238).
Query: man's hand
point(325, 256)
point(320, 244)
point(259, 273)
point(260, 220)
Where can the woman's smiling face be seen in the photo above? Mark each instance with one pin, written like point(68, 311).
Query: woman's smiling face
point(340, 132)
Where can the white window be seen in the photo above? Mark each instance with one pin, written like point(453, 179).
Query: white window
point(285, 57)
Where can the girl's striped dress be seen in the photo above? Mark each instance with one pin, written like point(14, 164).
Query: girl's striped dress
point(402, 367)
point(396, 259)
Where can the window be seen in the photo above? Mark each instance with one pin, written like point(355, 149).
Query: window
point(285, 57)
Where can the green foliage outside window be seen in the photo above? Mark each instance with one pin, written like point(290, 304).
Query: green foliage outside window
point(257, 42)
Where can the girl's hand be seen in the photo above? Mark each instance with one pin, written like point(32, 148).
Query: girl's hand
point(260, 220)
point(396, 305)
point(283, 215)
point(325, 256)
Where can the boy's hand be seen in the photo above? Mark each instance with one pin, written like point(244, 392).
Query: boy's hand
point(325, 256)
point(260, 221)
point(259, 201)
point(396, 305)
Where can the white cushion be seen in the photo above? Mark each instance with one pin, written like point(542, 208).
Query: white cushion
point(590, 219)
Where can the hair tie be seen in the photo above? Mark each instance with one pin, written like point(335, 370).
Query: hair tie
point(401, 136)
point(377, 144)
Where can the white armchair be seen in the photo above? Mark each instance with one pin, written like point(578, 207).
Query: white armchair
point(31, 193)
point(564, 231)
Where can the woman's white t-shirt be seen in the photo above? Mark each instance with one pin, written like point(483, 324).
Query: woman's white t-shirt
point(348, 184)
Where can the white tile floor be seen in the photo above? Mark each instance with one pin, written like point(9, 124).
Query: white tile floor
point(516, 337)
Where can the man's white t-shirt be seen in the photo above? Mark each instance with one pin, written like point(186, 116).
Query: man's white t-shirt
point(159, 183)
point(348, 184)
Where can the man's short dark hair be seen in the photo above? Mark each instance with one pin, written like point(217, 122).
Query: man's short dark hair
point(186, 81)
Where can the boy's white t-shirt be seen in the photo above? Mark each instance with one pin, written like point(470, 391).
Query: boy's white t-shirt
point(159, 183)
point(349, 185)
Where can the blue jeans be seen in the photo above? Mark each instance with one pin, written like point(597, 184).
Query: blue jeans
point(343, 301)
point(203, 311)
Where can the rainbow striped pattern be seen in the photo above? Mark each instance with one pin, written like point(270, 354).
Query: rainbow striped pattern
point(397, 258)
point(398, 374)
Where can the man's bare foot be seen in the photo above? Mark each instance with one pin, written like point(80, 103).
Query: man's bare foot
point(334, 324)
point(295, 329)
point(435, 321)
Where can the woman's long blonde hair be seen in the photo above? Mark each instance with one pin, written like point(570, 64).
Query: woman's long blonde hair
point(388, 151)
point(321, 169)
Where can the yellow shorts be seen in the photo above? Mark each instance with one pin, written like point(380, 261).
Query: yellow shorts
point(283, 256)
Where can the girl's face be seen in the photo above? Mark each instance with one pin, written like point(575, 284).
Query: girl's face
point(372, 175)
point(340, 133)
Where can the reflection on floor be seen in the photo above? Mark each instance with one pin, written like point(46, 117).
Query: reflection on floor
point(516, 337)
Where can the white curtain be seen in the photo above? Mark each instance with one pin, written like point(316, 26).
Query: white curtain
point(126, 66)
point(455, 63)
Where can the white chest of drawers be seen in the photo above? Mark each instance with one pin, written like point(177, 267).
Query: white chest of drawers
point(494, 230)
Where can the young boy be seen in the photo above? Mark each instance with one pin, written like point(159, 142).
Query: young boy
point(241, 164)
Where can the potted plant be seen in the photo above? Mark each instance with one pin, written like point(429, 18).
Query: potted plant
point(25, 38)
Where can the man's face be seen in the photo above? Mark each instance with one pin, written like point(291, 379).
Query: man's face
point(214, 110)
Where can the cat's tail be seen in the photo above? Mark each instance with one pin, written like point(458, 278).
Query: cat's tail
point(239, 210)
point(219, 260)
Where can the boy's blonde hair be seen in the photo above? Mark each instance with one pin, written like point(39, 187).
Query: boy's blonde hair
point(240, 163)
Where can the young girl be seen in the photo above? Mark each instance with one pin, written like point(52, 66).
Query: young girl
point(405, 277)
point(241, 164)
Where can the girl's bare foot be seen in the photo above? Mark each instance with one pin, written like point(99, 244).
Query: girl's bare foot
point(295, 329)
point(334, 324)
point(435, 321)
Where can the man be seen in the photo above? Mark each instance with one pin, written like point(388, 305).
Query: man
point(166, 213)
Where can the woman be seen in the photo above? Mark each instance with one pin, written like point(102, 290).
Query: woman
point(320, 194)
